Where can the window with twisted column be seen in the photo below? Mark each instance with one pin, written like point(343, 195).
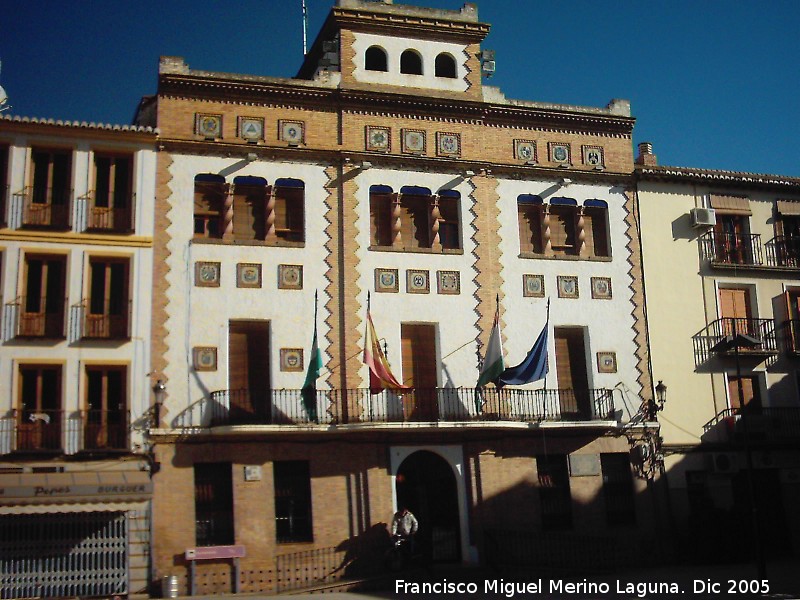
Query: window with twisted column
point(289, 210)
point(415, 219)
point(250, 196)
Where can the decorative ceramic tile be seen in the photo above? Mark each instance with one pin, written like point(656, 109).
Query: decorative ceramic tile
point(448, 144)
point(248, 275)
point(567, 286)
point(593, 156)
point(379, 139)
point(559, 153)
point(386, 280)
point(606, 362)
point(204, 358)
point(292, 132)
point(207, 274)
point(417, 282)
point(448, 282)
point(525, 150)
point(601, 288)
point(413, 141)
point(291, 359)
point(209, 126)
point(533, 286)
point(251, 129)
point(290, 277)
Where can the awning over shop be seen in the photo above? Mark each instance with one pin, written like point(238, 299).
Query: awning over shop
point(80, 491)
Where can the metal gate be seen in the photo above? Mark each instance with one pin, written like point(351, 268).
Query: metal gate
point(64, 554)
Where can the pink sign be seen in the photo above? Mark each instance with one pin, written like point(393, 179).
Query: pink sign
point(214, 552)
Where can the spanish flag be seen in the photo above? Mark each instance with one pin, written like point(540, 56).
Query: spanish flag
point(380, 375)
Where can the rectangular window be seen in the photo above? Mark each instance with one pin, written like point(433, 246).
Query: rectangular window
point(747, 397)
point(111, 208)
point(293, 521)
point(249, 209)
point(40, 413)
point(595, 227)
point(449, 223)
point(213, 504)
point(618, 489)
point(529, 216)
point(43, 304)
point(106, 418)
point(108, 306)
point(47, 203)
point(381, 204)
point(4, 189)
point(562, 230)
point(732, 240)
point(554, 493)
point(415, 227)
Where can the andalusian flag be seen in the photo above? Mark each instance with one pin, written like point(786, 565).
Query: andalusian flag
point(493, 365)
point(380, 375)
point(309, 390)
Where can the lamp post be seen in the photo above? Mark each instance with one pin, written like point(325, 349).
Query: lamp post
point(159, 393)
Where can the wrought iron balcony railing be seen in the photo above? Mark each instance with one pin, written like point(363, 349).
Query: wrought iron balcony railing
point(716, 339)
point(732, 248)
point(110, 218)
point(287, 407)
point(773, 424)
point(783, 251)
point(38, 316)
point(111, 322)
point(68, 432)
point(45, 207)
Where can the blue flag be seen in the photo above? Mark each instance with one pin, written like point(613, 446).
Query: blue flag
point(533, 368)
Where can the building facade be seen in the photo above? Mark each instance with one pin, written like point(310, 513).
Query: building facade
point(387, 181)
point(76, 235)
point(726, 347)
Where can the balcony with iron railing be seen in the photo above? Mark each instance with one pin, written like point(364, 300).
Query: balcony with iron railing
point(37, 317)
point(717, 339)
point(739, 250)
point(67, 432)
point(439, 405)
point(113, 214)
point(111, 321)
point(3, 204)
point(763, 424)
point(783, 251)
point(45, 208)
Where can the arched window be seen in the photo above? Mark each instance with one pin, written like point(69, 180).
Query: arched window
point(375, 59)
point(289, 210)
point(529, 215)
point(595, 227)
point(209, 200)
point(249, 208)
point(411, 63)
point(445, 66)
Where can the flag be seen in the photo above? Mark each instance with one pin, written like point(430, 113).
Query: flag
point(309, 391)
point(535, 365)
point(380, 375)
point(493, 364)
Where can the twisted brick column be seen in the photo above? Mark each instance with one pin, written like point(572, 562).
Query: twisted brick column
point(397, 236)
point(227, 214)
point(269, 225)
point(436, 215)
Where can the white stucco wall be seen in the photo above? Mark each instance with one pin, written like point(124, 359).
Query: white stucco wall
point(394, 47)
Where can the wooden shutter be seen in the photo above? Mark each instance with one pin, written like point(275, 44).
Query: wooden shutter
point(530, 227)
point(735, 303)
point(749, 392)
point(380, 215)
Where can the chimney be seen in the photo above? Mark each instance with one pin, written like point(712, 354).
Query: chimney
point(646, 156)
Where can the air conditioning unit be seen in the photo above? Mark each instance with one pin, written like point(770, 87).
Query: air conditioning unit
point(703, 217)
point(723, 462)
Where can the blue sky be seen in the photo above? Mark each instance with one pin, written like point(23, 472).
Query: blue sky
point(712, 84)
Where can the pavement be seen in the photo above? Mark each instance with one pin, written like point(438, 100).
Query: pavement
point(690, 582)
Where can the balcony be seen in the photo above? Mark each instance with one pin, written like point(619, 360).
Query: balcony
point(45, 208)
point(111, 324)
point(37, 317)
point(716, 339)
point(783, 251)
point(440, 405)
point(3, 204)
point(58, 431)
point(772, 424)
point(106, 219)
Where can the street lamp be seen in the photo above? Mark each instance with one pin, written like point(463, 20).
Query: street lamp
point(159, 392)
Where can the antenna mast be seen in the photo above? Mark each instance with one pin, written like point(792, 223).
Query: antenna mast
point(305, 27)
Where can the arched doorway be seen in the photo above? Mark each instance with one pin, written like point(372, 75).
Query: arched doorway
point(426, 485)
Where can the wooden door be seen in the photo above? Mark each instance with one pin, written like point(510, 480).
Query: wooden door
point(40, 408)
point(248, 371)
point(571, 372)
point(735, 307)
point(729, 242)
point(750, 393)
point(420, 368)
